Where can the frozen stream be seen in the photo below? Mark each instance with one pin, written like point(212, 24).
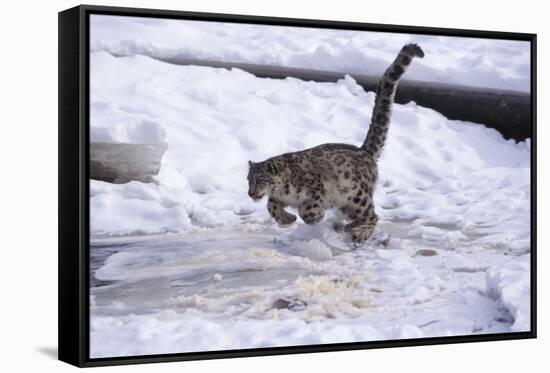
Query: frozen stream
point(396, 287)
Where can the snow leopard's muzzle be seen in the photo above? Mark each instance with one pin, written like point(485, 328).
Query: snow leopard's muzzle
point(254, 192)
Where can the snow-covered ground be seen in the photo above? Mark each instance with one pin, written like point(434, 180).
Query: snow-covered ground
point(488, 63)
point(190, 263)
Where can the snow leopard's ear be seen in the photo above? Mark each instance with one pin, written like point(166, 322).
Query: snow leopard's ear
point(250, 163)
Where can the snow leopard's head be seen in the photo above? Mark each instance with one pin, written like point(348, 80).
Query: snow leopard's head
point(262, 178)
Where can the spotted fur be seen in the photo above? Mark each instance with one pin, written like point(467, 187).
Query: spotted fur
point(338, 176)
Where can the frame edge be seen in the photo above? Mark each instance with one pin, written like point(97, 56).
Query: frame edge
point(70, 258)
point(533, 289)
point(73, 265)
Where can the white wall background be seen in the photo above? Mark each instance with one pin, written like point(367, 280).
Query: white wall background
point(28, 188)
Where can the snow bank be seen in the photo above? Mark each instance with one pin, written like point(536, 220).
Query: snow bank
point(476, 62)
point(167, 333)
point(510, 283)
point(113, 125)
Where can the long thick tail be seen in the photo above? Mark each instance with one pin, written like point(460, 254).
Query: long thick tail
point(376, 137)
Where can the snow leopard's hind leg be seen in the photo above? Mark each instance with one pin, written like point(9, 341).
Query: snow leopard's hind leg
point(363, 222)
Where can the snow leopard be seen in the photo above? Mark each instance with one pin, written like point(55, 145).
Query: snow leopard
point(333, 175)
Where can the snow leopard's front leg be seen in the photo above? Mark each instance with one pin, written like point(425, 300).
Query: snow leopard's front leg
point(277, 210)
point(311, 211)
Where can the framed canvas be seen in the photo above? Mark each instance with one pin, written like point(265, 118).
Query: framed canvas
point(235, 186)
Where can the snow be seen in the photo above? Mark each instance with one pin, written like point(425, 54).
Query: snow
point(113, 125)
point(502, 64)
point(510, 284)
point(190, 263)
point(169, 335)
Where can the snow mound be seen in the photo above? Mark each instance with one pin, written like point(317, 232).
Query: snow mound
point(168, 333)
point(113, 126)
point(510, 283)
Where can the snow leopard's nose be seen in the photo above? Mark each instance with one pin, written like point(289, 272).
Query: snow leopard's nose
point(255, 196)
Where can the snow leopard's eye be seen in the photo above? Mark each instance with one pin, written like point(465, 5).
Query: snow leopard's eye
point(263, 179)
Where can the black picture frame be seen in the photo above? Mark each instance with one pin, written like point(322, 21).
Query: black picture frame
point(74, 233)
